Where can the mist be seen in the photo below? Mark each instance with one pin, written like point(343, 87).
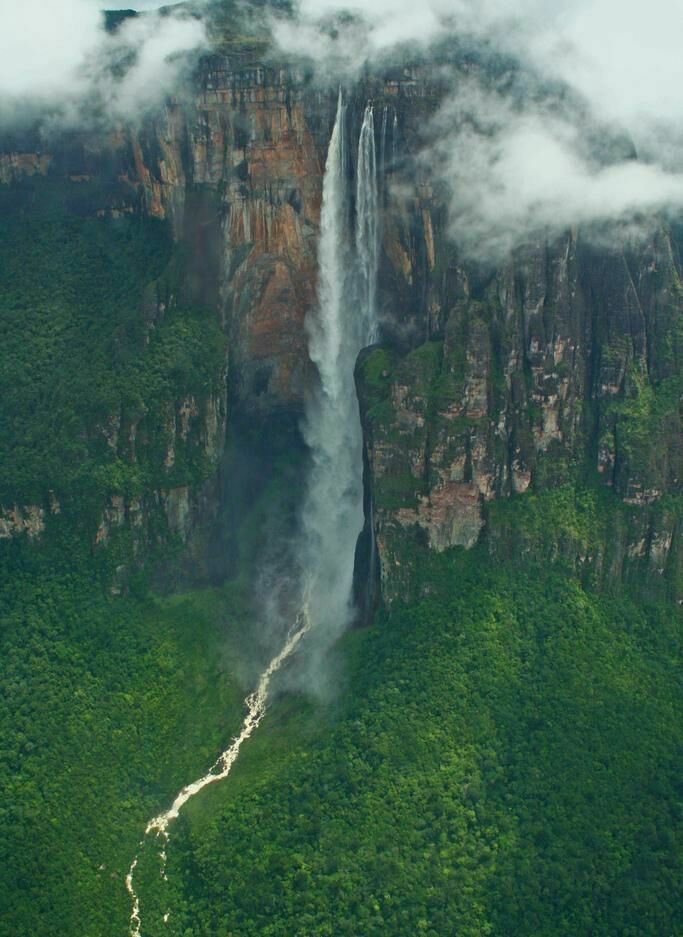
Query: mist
point(519, 171)
point(595, 137)
point(58, 62)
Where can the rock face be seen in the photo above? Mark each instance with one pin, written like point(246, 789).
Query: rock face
point(240, 177)
point(561, 363)
point(14, 166)
point(237, 174)
point(29, 520)
point(194, 430)
point(490, 385)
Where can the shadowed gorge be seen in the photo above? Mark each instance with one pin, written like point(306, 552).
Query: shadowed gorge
point(341, 454)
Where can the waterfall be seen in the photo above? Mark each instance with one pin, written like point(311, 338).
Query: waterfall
point(394, 142)
point(342, 324)
point(367, 227)
point(338, 329)
point(383, 145)
point(383, 142)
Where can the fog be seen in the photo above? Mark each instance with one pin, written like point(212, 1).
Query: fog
point(519, 167)
point(58, 62)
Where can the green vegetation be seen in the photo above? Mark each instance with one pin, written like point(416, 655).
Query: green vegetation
point(505, 764)
point(641, 421)
point(387, 385)
point(109, 704)
point(108, 707)
point(501, 756)
point(235, 28)
point(93, 333)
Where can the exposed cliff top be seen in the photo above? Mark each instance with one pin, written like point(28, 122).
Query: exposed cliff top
point(114, 18)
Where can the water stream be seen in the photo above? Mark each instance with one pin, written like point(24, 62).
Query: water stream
point(256, 704)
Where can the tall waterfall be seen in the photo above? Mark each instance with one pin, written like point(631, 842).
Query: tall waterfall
point(394, 142)
point(383, 143)
point(367, 227)
point(344, 322)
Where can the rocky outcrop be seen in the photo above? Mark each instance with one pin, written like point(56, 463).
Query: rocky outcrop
point(237, 173)
point(188, 447)
point(15, 166)
point(28, 520)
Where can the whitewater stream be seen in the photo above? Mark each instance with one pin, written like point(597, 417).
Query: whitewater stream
point(332, 518)
point(256, 704)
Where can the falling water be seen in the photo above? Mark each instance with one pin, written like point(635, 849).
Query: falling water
point(344, 323)
point(340, 327)
point(383, 143)
point(367, 228)
point(394, 142)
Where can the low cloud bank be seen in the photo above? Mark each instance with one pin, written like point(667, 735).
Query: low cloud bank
point(516, 172)
point(58, 62)
point(518, 165)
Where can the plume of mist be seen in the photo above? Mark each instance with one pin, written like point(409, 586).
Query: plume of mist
point(519, 165)
point(59, 64)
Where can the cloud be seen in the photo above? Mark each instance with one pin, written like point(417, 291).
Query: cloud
point(622, 55)
point(515, 173)
point(159, 44)
point(342, 38)
point(57, 59)
point(539, 159)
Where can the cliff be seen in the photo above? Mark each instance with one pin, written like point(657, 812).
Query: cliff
point(557, 371)
point(235, 177)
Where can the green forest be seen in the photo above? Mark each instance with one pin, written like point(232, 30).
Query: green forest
point(84, 342)
point(500, 755)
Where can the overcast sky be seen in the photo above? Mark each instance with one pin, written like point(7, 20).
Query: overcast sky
point(55, 58)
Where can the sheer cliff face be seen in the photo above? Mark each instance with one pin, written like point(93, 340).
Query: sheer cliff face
point(539, 373)
point(239, 176)
point(489, 384)
point(255, 143)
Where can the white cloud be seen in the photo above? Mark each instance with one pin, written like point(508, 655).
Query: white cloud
point(44, 46)
point(623, 55)
point(520, 173)
point(159, 43)
point(531, 170)
point(55, 56)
